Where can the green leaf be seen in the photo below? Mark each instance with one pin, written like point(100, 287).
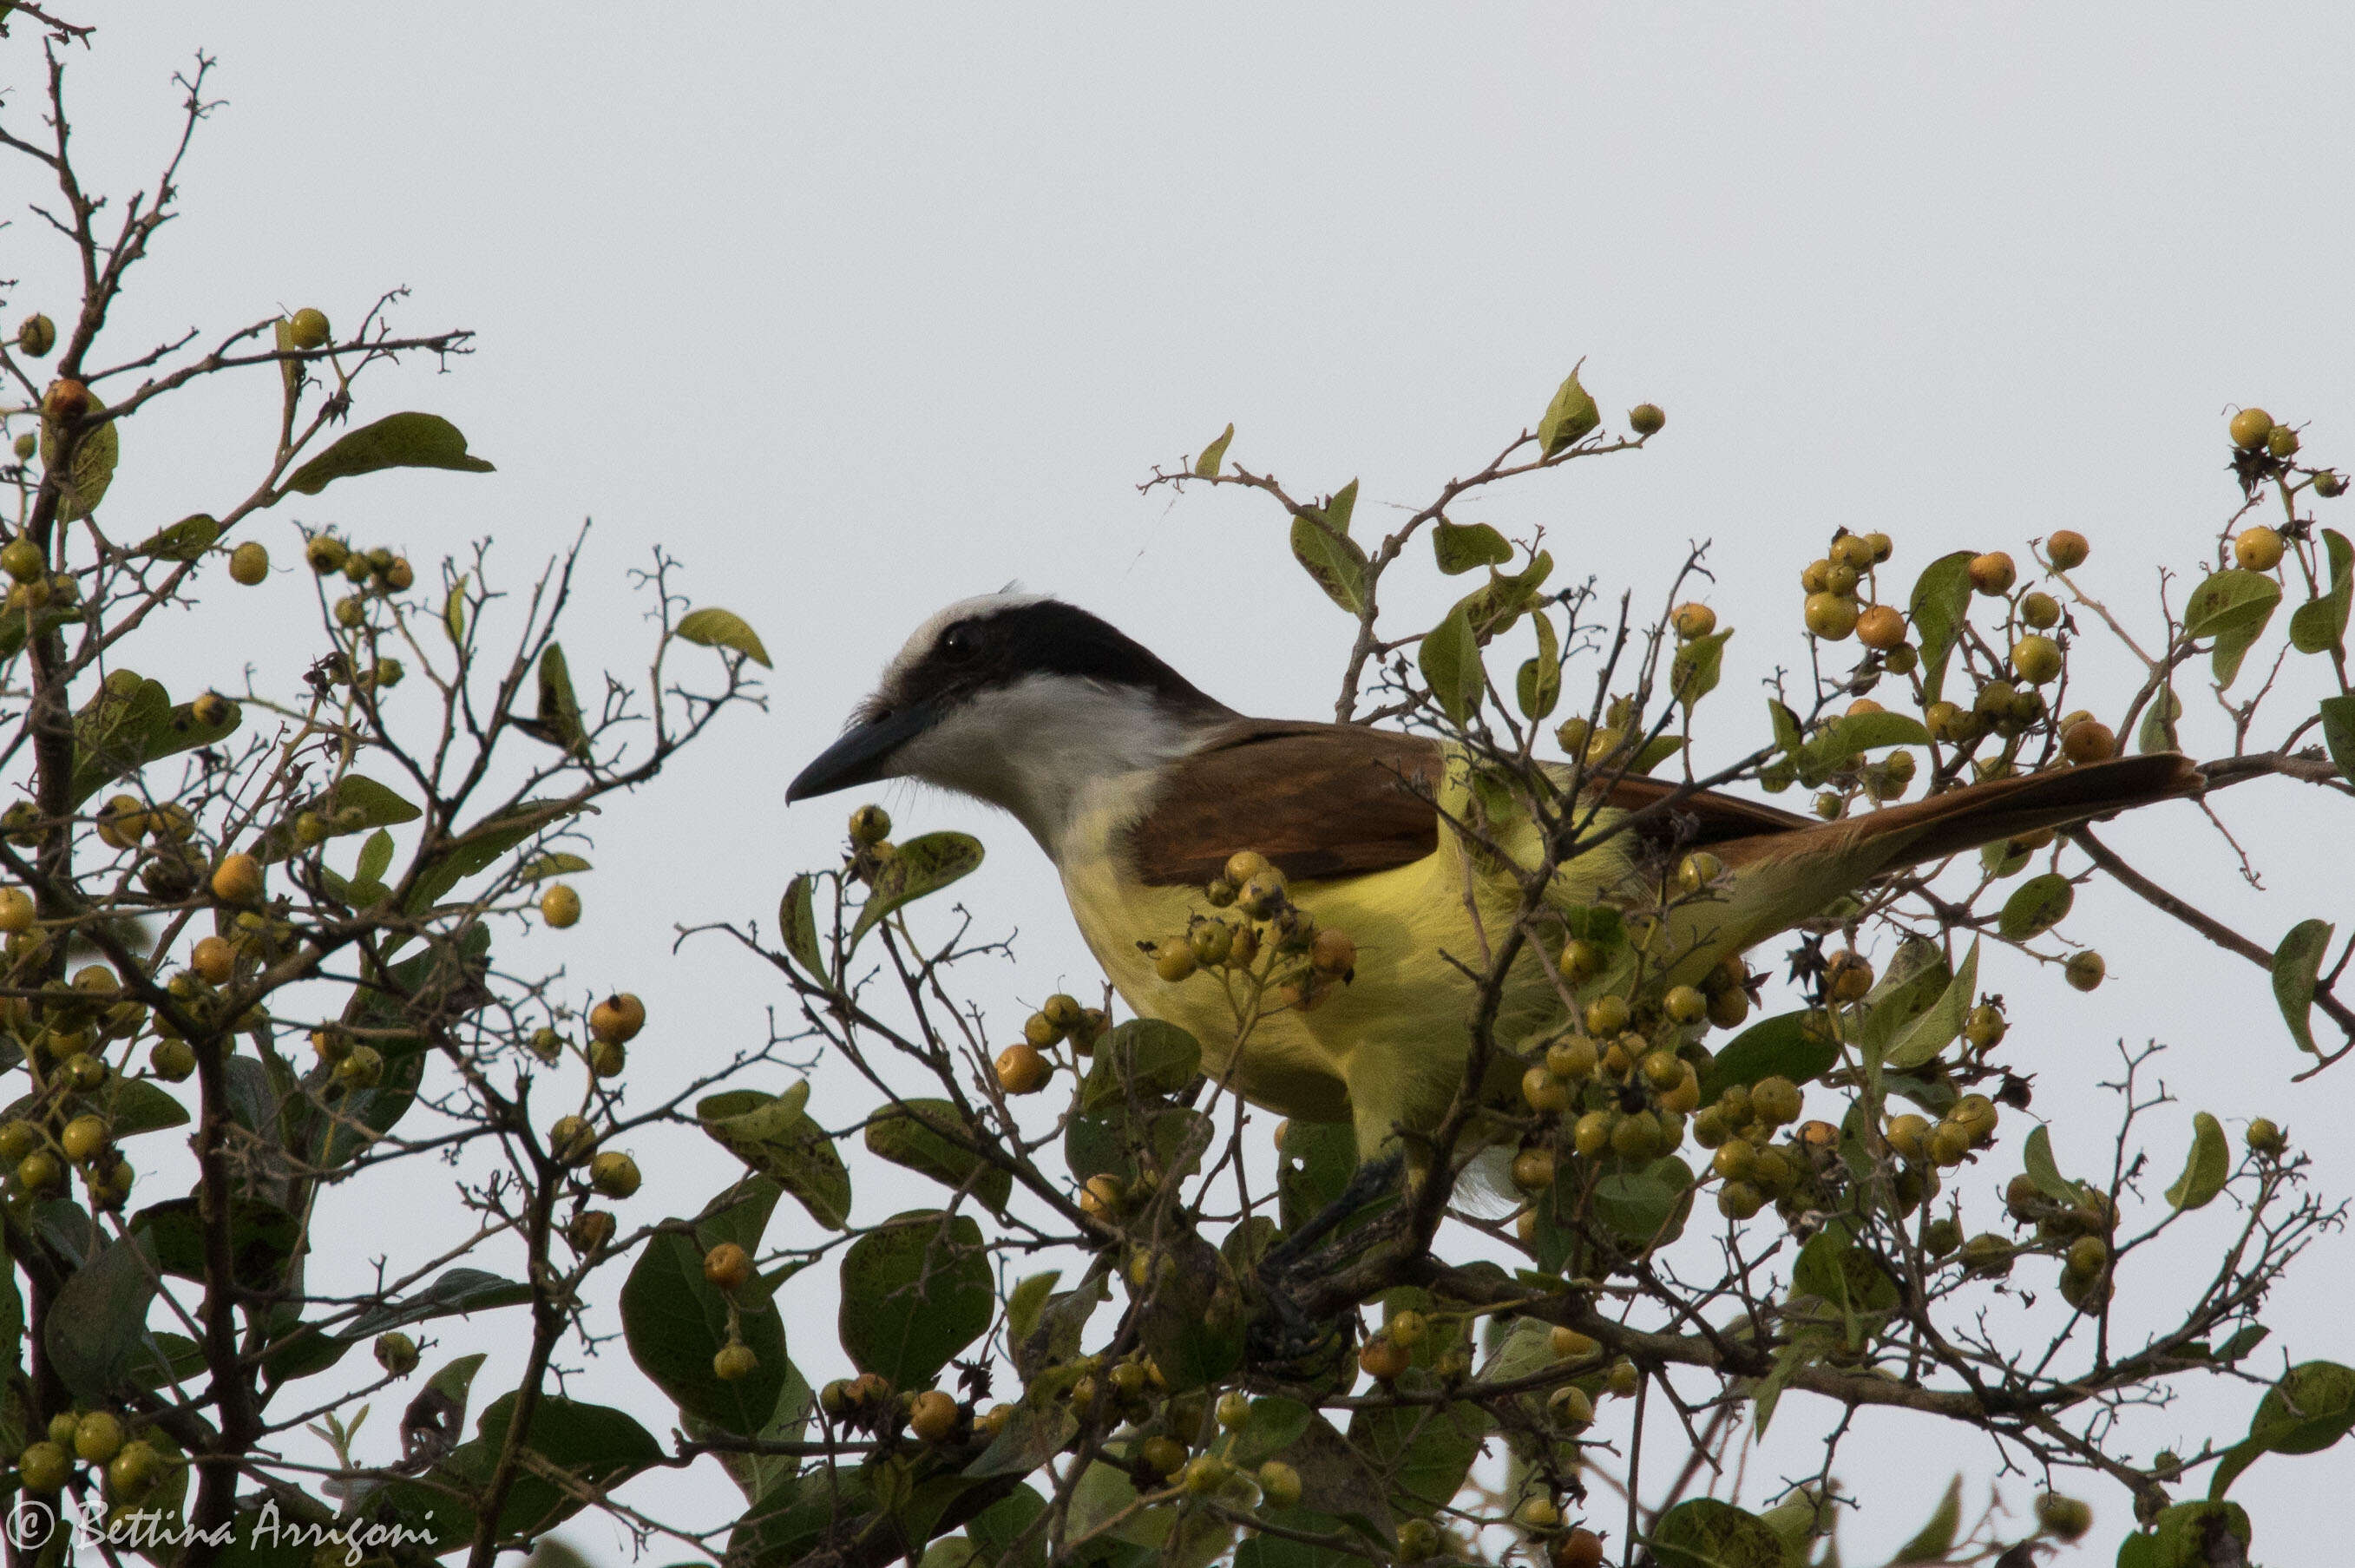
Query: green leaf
point(573, 1451)
point(1648, 1208)
point(110, 733)
point(453, 1292)
point(929, 1137)
point(2157, 732)
point(2311, 1408)
point(1206, 465)
point(1917, 976)
point(1539, 687)
point(1507, 596)
point(1702, 1532)
point(378, 806)
point(1331, 558)
point(724, 629)
point(797, 925)
point(1785, 725)
point(1420, 1453)
point(1274, 1424)
point(1940, 605)
point(479, 847)
point(1338, 511)
point(186, 539)
point(1317, 1162)
point(2036, 1159)
point(2338, 733)
point(540, 867)
point(920, 867)
point(2182, 1536)
point(1795, 1045)
point(675, 1321)
point(2297, 966)
point(1450, 661)
point(1693, 674)
point(915, 1291)
point(375, 858)
point(2320, 624)
point(1026, 1302)
point(2228, 602)
point(560, 710)
point(262, 1238)
point(1935, 1538)
point(1838, 740)
point(2209, 1163)
point(91, 471)
point(100, 1318)
point(774, 1135)
point(1570, 415)
point(1459, 547)
point(445, 983)
point(1143, 1056)
point(1941, 1022)
point(396, 441)
point(453, 613)
point(2036, 906)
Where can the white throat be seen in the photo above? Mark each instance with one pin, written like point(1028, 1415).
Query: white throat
point(1051, 749)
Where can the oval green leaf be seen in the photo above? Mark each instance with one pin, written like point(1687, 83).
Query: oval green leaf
point(922, 866)
point(2296, 968)
point(397, 441)
point(723, 629)
point(915, 1291)
point(1206, 465)
point(1450, 661)
point(1458, 547)
point(2206, 1169)
point(2036, 906)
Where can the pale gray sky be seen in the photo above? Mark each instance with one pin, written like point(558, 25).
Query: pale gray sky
point(861, 309)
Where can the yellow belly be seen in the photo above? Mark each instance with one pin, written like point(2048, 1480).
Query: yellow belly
point(1386, 1050)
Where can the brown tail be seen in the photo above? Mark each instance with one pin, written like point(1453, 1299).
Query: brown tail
point(1925, 830)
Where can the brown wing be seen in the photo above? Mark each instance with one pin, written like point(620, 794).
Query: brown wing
point(1318, 800)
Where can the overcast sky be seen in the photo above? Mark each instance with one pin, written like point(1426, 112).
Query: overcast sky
point(862, 309)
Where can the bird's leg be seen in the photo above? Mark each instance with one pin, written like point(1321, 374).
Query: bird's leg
point(1294, 1335)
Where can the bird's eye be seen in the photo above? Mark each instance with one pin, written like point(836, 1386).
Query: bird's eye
point(960, 642)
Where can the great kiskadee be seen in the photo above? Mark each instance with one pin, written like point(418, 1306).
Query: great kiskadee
point(1139, 787)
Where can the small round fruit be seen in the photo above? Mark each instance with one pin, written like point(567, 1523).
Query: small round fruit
point(398, 575)
point(83, 1137)
point(134, 1471)
point(1334, 953)
point(2086, 1255)
point(1175, 962)
point(933, 1416)
point(249, 563)
point(1569, 1407)
point(2067, 1517)
point(171, 1060)
point(65, 400)
point(307, 328)
point(237, 880)
point(1739, 1199)
point(1907, 1135)
point(22, 560)
point(1984, 1026)
point(2036, 659)
point(1776, 1101)
point(36, 335)
point(1279, 1484)
point(1580, 960)
point(572, 1141)
point(2258, 549)
point(2089, 741)
point(560, 906)
point(2249, 429)
point(591, 1231)
point(1546, 1095)
point(726, 1265)
point(326, 554)
point(1853, 551)
point(1022, 1069)
point(1538, 1513)
point(1533, 1169)
point(1573, 1060)
point(363, 1069)
point(2282, 444)
point(1647, 419)
point(618, 1018)
point(1993, 573)
point(615, 1174)
point(99, 1436)
point(1261, 895)
point(397, 1353)
point(1735, 1159)
point(1623, 1380)
point(44, 1467)
point(1831, 616)
point(1728, 1008)
point(2328, 485)
point(1162, 1456)
point(1693, 621)
point(1417, 1539)
point(1579, 1548)
point(1880, 627)
point(214, 960)
point(1382, 1358)
point(2039, 610)
point(1606, 1016)
point(2066, 549)
point(1941, 1238)
point(2084, 970)
point(38, 1171)
point(1204, 1473)
point(735, 1363)
point(2265, 1137)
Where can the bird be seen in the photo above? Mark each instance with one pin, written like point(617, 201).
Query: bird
point(1140, 787)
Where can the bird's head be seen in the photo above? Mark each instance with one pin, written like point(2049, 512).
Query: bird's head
point(1018, 699)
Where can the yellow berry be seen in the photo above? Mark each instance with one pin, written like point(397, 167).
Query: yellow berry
point(2258, 549)
point(1831, 616)
point(1647, 419)
point(560, 906)
point(307, 328)
point(2249, 429)
point(1993, 573)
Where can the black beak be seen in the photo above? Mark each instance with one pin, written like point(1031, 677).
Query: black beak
point(863, 754)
